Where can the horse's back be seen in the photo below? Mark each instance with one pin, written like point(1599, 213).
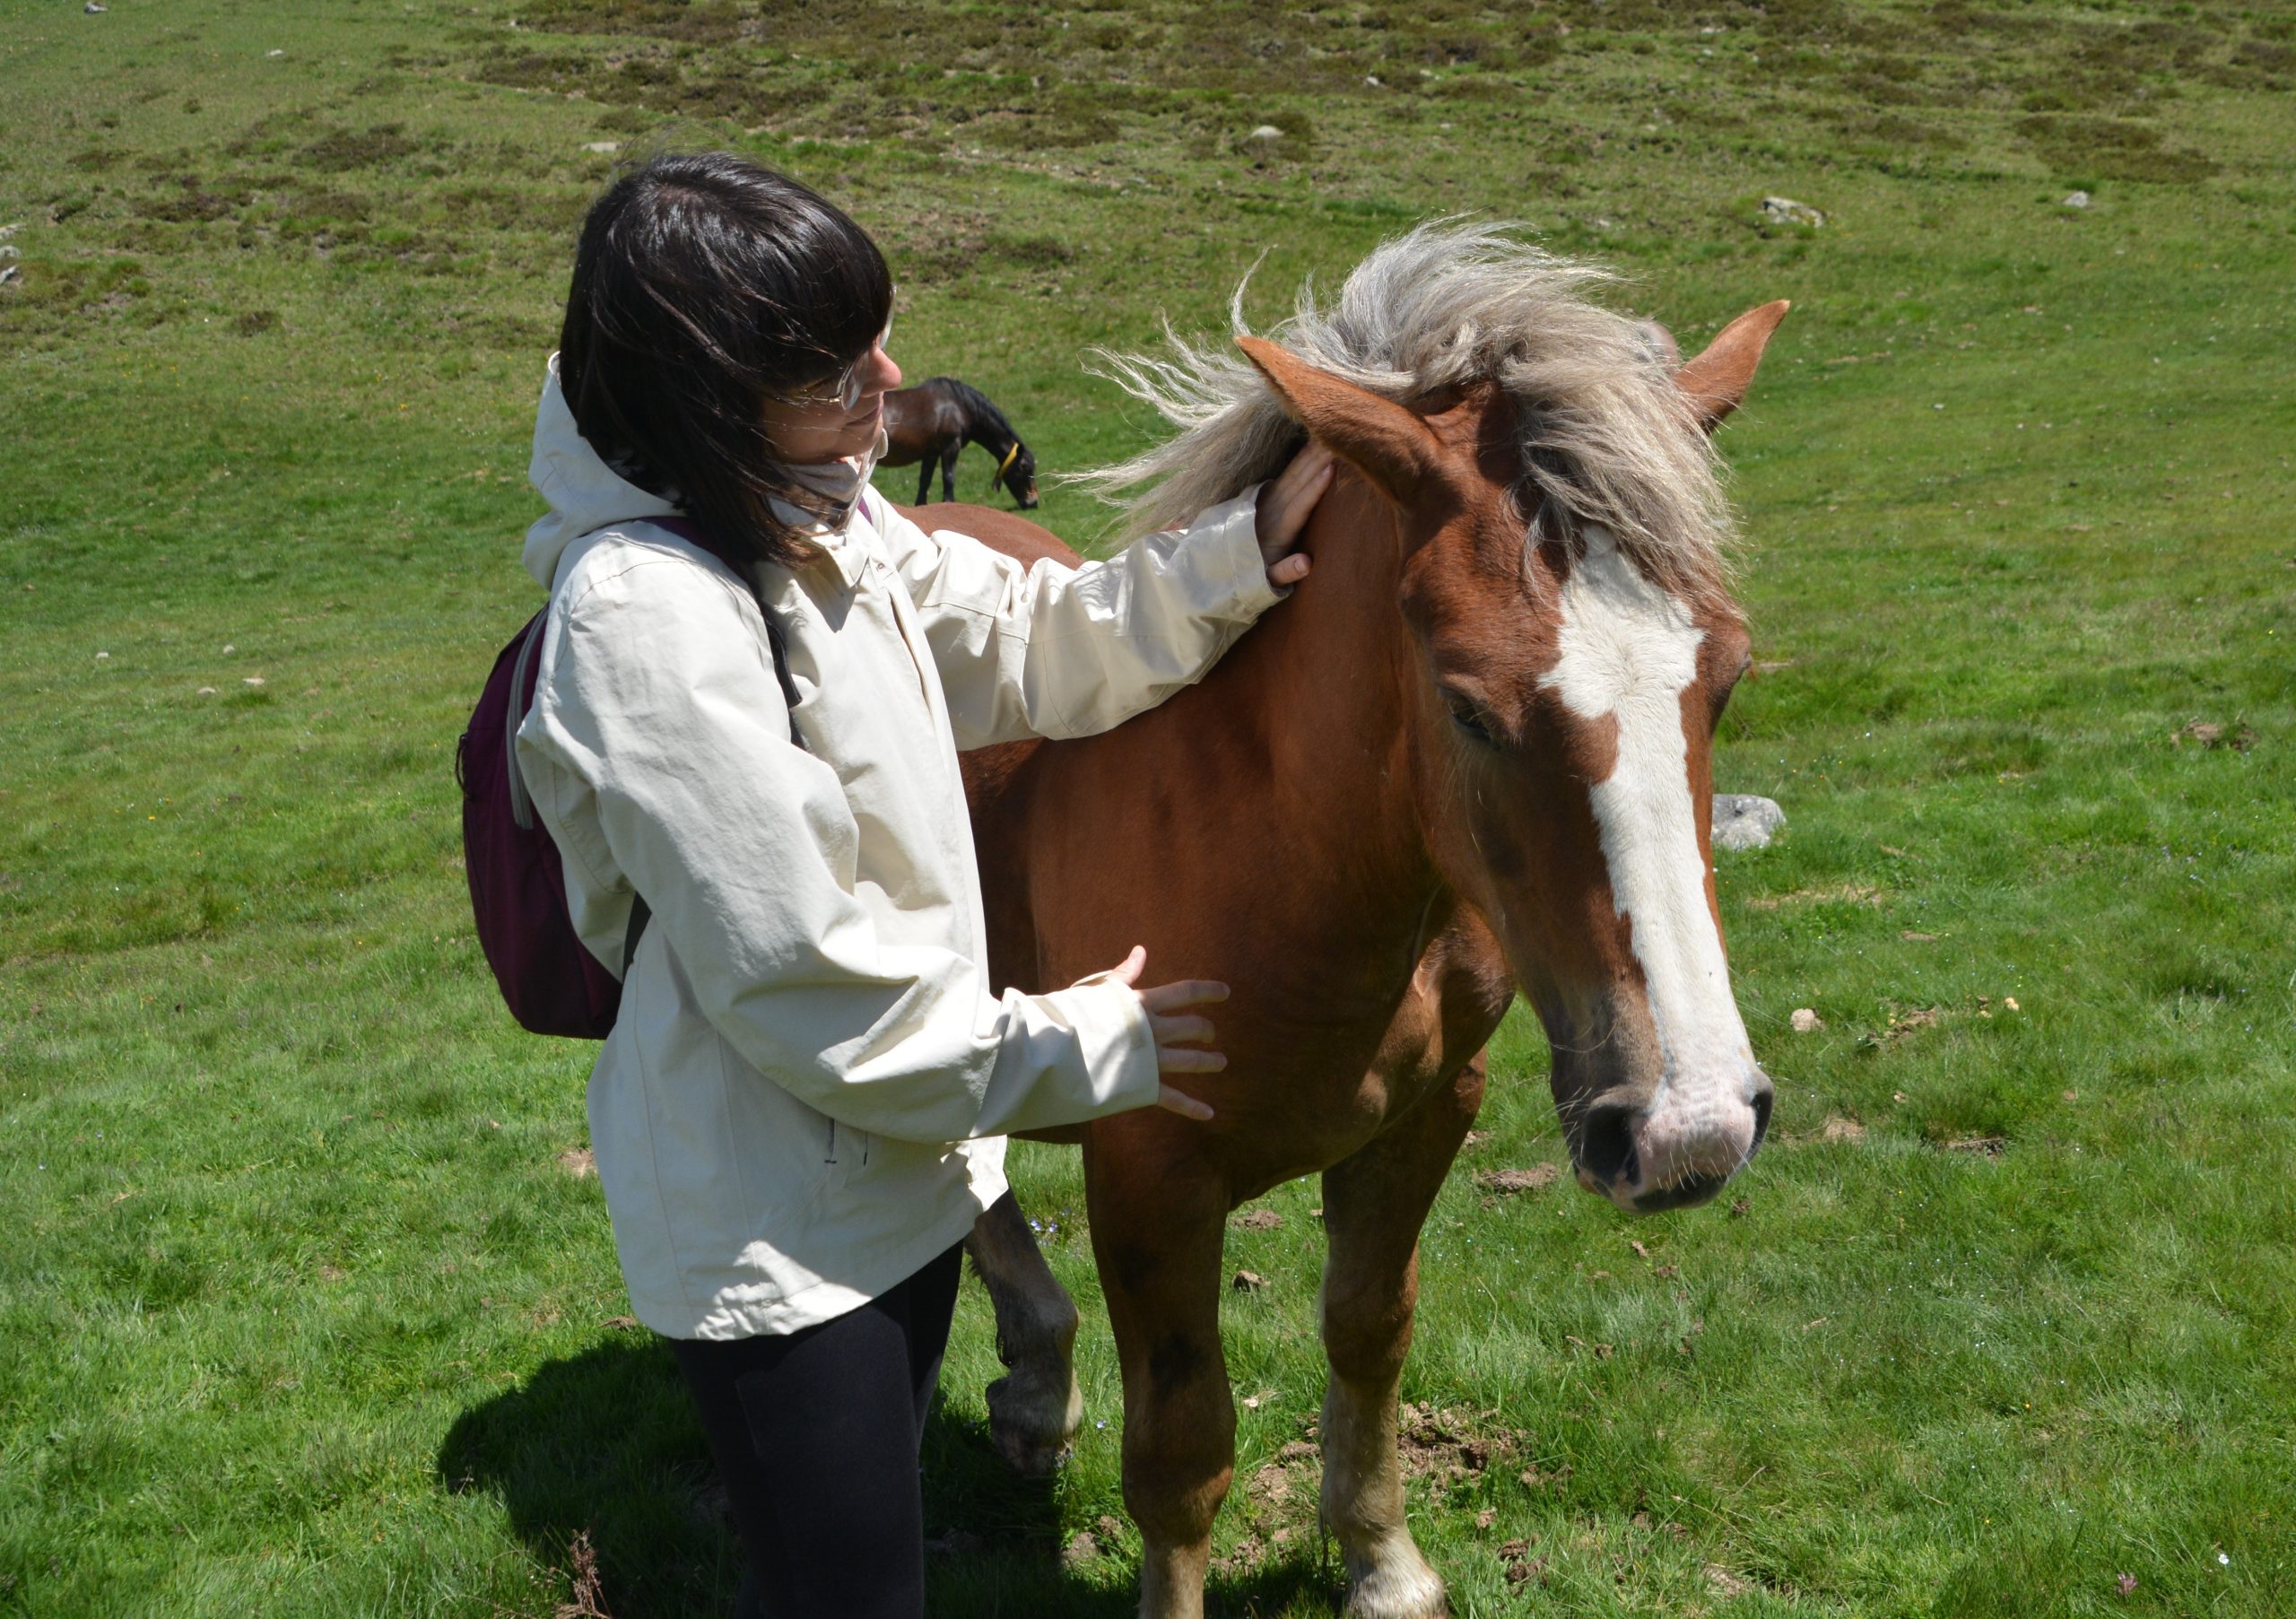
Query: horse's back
point(1004, 531)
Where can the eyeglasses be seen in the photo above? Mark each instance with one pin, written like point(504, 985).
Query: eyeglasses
point(846, 391)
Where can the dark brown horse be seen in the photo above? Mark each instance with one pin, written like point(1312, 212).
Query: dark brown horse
point(1470, 757)
point(936, 419)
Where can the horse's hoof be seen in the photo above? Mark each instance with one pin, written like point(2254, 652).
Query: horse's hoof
point(1400, 1589)
point(1032, 1425)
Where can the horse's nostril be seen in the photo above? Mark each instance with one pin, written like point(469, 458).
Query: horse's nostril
point(1762, 1097)
point(1606, 1145)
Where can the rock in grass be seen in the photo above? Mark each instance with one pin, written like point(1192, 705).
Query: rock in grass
point(1743, 820)
point(1806, 1021)
point(1786, 211)
point(2077, 199)
point(1266, 132)
point(94, 9)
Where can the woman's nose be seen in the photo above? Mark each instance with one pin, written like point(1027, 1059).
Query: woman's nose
point(885, 376)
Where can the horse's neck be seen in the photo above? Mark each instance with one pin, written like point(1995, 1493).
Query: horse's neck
point(986, 430)
point(1318, 694)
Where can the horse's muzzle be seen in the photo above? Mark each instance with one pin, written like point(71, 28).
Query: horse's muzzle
point(1673, 1155)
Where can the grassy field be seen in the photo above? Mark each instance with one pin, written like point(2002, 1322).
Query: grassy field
point(305, 1310)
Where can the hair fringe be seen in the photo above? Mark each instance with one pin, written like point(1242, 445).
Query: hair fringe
point(1607, 438)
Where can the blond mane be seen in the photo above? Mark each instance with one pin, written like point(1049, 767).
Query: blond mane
point(1606, 436)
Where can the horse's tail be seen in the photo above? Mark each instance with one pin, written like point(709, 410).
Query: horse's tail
point(980, 411)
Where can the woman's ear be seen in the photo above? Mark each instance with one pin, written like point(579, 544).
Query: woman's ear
point(1389, 445)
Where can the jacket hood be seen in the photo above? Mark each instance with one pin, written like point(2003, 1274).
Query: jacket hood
point(584, 493)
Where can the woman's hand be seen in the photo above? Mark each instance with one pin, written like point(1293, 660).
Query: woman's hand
point(1284, 505)
point(1180, 1033)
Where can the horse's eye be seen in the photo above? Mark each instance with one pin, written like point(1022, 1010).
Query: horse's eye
point(1468, 718)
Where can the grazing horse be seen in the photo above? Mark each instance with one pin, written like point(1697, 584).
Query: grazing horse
point(1471, 756)
point(936, 419)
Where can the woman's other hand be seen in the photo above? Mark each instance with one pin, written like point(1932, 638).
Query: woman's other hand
point(1183, 1039)
point(1284, 505)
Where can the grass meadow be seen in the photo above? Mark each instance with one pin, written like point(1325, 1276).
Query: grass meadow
point(304, 1306)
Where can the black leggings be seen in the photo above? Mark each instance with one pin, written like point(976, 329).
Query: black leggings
point(816, 1435)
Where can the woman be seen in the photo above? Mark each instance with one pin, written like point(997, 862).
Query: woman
point(795, 1118)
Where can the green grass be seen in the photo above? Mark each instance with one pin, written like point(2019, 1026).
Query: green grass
point(302, 1314)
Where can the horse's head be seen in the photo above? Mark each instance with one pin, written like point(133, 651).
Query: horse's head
point(1018, 475)
point(1561, 682)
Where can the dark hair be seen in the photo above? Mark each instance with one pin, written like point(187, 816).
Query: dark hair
point(703, 283)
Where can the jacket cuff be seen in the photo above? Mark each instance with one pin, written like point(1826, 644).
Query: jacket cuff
point(1116, 1041)
point(1230, 530)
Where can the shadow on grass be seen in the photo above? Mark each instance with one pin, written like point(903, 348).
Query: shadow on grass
point(605, 1443)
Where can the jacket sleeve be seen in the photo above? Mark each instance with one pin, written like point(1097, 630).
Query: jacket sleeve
point(659, 743)
point(1054, 651)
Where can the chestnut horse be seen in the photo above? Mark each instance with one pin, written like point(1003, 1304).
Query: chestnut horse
point(933, 422)
point(1470, 757)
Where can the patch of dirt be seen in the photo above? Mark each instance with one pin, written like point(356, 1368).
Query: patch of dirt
point(1257, 1220)
point(1522, 1568)
point(1510, 1181)
point(1726, 1583)
point(1902, 1023)
point(1449, 1447)
point(1992, 1146)
point(1838, 1129)
point(578, 1161)
point(1247, 1556)
point(2240, 738)
point(1248, 1281)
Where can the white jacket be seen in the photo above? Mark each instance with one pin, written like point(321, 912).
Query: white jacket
point(799, 1105)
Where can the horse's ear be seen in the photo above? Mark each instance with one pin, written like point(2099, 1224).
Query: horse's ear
point(1716, 382)
point(1390, 446)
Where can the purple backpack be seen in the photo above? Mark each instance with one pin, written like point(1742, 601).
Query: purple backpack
point(551, 981)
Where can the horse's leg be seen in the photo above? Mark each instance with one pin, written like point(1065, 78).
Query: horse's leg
point(924, 479)
point(1374, 1204)
point(949, 468)
point(1035, 1408)
point(1157, 1231)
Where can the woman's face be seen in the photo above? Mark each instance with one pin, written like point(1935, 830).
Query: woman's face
point(806, 430)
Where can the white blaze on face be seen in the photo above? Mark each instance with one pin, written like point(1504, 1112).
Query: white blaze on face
point(1628, 650)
